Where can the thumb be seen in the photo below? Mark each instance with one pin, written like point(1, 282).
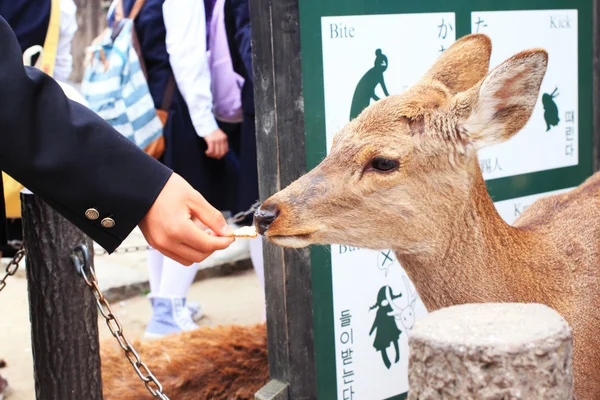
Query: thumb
point(209, 146)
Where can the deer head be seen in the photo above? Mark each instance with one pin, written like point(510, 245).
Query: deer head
point(407, 164)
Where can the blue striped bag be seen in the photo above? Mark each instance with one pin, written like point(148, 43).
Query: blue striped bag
point(116, 88)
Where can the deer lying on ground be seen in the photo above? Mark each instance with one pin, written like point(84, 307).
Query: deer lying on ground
point(404, 175)
point(220, 363)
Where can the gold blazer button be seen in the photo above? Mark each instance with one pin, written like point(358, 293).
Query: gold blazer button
point(108, 222)
point(92, 214)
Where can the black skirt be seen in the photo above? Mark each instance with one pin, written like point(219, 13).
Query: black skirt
point(185, 155)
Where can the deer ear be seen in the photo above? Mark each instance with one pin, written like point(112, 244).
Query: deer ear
point(503, 102)
point(463, 64)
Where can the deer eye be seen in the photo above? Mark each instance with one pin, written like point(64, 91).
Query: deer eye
point(381, 164)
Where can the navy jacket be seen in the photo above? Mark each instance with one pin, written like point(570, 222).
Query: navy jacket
point(237, 25)
point(68, 155)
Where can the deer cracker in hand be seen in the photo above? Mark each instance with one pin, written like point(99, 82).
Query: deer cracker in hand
point(245, 232)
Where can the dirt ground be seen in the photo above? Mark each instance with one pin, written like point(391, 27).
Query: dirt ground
point(234, 299)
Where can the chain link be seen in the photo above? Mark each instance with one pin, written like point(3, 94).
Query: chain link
point(243, 214)
point(15, 244)
point(122, 250)
point(85, 268)
point(13, 266)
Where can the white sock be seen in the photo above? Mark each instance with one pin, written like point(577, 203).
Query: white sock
point(176, 279)
point(256, 255)
point(155, 268)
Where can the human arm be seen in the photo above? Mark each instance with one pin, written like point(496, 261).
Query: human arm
point(186, 44)
point(75, 161)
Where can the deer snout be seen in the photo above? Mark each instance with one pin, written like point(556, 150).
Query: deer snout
point(264, 217)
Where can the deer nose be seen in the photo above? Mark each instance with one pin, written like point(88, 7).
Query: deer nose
point(264, 217)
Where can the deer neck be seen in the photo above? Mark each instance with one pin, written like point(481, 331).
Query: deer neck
point(473, 259)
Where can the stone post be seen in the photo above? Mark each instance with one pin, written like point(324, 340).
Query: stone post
point(491, 351)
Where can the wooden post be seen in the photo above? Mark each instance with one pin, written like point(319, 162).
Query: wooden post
point(63, 311)
point(281, 159)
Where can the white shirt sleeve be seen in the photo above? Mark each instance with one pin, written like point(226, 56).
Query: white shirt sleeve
point(63, 64)
point(186, 44)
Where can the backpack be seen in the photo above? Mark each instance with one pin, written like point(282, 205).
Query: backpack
point(226, 84)
point(116, 88)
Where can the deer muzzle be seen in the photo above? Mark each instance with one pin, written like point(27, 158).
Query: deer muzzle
point(264, 217)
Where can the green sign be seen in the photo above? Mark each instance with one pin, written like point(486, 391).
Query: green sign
point(356, 52)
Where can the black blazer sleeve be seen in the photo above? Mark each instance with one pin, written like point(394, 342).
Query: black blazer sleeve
point(69, 156)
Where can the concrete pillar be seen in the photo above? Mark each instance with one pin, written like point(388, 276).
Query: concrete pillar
point(491, 351)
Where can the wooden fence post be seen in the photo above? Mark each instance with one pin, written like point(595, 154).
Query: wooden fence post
point(63, 311)
point(281, 159)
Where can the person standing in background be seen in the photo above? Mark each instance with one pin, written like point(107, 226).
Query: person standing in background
point(237, 25)
point(30, 18)
point(172, 37)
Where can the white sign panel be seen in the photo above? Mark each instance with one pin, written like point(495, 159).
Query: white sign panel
point(374, 305)
point(366, 58)
point(549, 140)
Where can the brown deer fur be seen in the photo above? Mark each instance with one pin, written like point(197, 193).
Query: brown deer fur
point(434, 210)
point(220, 363)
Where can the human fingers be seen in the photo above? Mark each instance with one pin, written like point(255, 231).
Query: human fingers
point(190, 253)
point(209, 216)
point(198, 240)
point(176, 257)
point(221, 150)
point(224, 148)
point(210, 147)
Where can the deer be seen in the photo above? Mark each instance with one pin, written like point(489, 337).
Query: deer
point(404, 175)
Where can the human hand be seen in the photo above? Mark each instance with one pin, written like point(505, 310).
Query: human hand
point(175, 224)
point(217, 144)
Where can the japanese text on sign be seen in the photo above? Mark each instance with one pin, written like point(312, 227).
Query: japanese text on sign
point(444, 28)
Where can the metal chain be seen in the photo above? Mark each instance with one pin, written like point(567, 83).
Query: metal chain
point(123, 250)
point(85, 268)
point(132, 249)
point(13, 266)
point(243, 214)
point(15, 244)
